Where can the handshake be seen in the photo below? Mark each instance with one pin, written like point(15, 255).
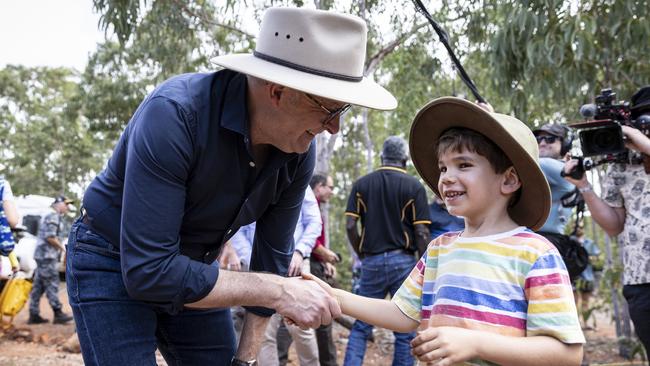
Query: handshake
point(308, 302)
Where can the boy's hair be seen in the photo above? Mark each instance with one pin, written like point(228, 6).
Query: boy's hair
point(463, 139)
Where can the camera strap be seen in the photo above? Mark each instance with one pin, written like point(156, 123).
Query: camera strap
point(444, 38)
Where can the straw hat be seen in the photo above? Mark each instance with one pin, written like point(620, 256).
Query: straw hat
point(314, 51)
point(511, 135)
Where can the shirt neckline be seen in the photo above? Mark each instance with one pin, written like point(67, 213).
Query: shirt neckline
point(496, 236)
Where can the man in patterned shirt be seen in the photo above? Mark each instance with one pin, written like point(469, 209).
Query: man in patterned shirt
point(496, 292)
point(47, 254)
point(624, 211)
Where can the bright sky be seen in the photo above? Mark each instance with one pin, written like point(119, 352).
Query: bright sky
point(48, 32)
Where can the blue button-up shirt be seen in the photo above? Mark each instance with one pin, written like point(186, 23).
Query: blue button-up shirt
point(308, 229)
point(182, 180)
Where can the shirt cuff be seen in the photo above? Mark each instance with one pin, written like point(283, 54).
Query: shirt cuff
point(260, 311)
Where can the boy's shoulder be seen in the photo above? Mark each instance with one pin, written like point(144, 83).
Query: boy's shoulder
point(522, 237)
point(531, 241)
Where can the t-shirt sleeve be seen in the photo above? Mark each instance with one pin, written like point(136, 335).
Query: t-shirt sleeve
point(7, 194)
point(612, 188)
point(551, 308)
point(355, 203)
point(408, 297)
point(421, 213)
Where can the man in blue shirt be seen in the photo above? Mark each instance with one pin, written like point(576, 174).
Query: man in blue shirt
point(203, 155)
point(553, 144)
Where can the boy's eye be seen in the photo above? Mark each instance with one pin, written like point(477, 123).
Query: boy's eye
point(465, 165)
point(442, 169)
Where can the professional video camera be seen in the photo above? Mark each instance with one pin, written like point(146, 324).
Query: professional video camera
point(601, 135)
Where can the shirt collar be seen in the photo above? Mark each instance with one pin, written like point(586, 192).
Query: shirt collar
point(234, 115)
point(391, 167)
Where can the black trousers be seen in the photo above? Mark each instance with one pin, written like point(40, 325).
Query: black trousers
point(638, 302)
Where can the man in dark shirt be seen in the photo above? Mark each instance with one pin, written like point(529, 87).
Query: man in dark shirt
point(392, 208)
point(203, 155)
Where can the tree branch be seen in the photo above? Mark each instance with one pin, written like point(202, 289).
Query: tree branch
point(211, 22)
point(376, 59)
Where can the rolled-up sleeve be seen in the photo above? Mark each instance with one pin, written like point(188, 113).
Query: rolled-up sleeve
point(274, 244)
point(159, 157)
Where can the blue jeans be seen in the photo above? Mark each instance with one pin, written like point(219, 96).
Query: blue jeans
point(381, 274)
point(115, 329)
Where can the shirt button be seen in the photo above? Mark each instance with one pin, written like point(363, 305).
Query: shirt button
point(229, 231)
point(252, 164)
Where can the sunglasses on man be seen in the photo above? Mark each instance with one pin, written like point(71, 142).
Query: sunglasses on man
point(548, 139)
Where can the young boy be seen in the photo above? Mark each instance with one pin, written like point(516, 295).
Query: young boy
point(494, 293)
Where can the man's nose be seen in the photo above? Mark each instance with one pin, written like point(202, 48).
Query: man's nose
point(334, 125)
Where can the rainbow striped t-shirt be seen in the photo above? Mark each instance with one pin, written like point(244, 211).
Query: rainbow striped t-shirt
point(514, 283)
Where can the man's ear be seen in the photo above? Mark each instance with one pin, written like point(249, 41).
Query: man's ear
point(510, 183)
point(275, 93)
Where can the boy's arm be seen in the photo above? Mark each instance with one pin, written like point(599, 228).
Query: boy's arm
point(379, 312)
point(454, 345)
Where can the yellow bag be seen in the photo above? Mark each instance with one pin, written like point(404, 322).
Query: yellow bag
point(14, 296)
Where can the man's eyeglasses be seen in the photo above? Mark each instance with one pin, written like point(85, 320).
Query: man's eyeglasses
point(548, 139)
point(330, 114)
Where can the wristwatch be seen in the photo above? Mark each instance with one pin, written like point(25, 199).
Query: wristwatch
point(237, 362)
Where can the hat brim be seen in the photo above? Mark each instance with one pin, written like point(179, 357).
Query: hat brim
point(365, 93)
point(533, 206)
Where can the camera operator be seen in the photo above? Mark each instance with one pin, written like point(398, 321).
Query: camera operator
point(553, 142)
point(624, 210)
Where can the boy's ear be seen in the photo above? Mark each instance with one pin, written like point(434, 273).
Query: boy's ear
point(510, 183)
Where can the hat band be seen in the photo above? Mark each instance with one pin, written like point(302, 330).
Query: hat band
point(289, 64)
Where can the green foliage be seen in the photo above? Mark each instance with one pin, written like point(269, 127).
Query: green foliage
point(46, 148)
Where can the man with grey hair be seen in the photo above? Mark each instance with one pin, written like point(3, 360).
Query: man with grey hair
point(392, 208)
point(203, 155)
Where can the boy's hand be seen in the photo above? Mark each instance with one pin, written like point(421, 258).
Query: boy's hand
point(444, 346)
point(321, 283)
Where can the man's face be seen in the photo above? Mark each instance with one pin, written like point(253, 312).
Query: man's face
point(325, 192)
point(304, 117)
point(61, 207)
point(549, 145)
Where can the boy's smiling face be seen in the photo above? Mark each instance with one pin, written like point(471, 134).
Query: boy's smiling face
point(469, 185)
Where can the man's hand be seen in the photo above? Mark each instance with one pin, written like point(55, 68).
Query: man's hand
point(636, 140)
point(569, 165)
point(327, 254)
point(228, 259)
point(487, 106)
point(330, 270)
point(444, 346)
point(306, 303)
point(295, 267)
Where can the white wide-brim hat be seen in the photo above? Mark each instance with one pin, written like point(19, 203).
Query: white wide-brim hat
point(314, 51)
point(511, 135)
